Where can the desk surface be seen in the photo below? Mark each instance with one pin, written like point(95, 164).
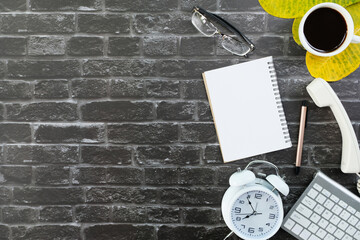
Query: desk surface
point(106, 131)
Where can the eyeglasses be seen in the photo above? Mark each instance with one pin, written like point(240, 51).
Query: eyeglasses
point(205, 22)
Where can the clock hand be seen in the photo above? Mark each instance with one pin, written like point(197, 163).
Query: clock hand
point(250, 203)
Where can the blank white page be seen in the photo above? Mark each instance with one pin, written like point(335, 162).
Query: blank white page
point(245, 111)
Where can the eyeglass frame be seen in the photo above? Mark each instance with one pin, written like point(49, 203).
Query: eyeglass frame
point(222, 22)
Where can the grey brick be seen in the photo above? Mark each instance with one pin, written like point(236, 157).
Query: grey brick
point(352, 110)
point(160, 46)
point(197, 46)
point(46, 232)
point(194, 89)
point(125, 88)
point(66, 5)
point(191, 196)
point(2, 69)
point(15, 174)
point(15, 90)
point(346, 89)
point(85, 46)
point(119, 231)
point(244, 5)
point(163, 23)
point(304, 178)
point(188, 5)
point(269, 45)
point(294, 87)
point(12, 5)
point(246, 22)
point(121, 195)
point(136, 68)
point(181, 232)
point(43, 69)
point(89, 88)
point(5, 195)
point(46, 45)
point(104, 23)
point(141, 6)
point(176, 110)
point(39, 154)
point(117, 111)
point(161, 176)
point(129, 214)
point(322, 155)
point(163, 215)
point(12, 132)
point(279, 25)
point(336, 174)
point(12, 46)
point(163, 89)
point(69, 133)
point(201, 216)
point(294, 49)
point(322, 134)
point(196, 176)
point(142, 133)
point(48, 89)
point(204, 111)
point(117, 155)
point(52, 175)
point(4, 232)
point(20, 215)
point(124, 46)
point(56, 214)
point(88, 175)
point(125, 176)
point(42, 111)
point(92, 214)
point(291, 68)
point(44, 196)
point(161, 155)
point(197, 132)
point(282, 157)
point(2, 111)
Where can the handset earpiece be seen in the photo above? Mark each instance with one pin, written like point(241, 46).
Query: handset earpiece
point(324, 96)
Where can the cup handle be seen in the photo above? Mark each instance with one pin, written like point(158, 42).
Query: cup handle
point(355, 39)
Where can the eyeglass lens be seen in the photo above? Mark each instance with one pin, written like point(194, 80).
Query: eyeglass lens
point(234, 46)
point(203, 25)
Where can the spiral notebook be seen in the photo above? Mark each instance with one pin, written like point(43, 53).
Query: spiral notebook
point(247, 110)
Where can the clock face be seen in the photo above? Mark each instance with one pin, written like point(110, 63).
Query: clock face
point(256, 214)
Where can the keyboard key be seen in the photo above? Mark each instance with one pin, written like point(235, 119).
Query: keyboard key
point(312, 193)
point(289, 224)
point(323, 223)
point(315, 218)
point(331, 228)
point(353, 220)
point(343, 225)
point(327, 214)
point(334, 198)
point(319, 209)
point(350, 230)
point(335, 220)
point(329, 237)
point(300, 219)
point(320, 198)
point(309, 202)
point(313, 228)
point(358, 225)
point(336, 209)
point(345, 215)
point(304, 210)
point(326, 193)
point(338, 234)
point(357, 235)
point(357, 214)
point(347, 237)
point(343, 204)
point(321, 233)
point(351, 209)
point(313, 237)
point(329, 204)
point(317, 187)
point(297, 229)
point(305, 234)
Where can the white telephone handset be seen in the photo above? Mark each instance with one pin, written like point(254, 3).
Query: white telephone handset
point(324, 96)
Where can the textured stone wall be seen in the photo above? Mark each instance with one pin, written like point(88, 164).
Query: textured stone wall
point(106, 131)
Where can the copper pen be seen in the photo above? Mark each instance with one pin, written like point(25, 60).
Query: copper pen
point(301, 136)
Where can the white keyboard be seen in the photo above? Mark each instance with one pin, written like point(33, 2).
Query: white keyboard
point(325, 211)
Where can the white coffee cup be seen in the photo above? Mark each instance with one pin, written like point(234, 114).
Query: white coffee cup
point(350, 36)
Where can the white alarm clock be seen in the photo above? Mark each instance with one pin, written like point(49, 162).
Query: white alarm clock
point(252, 207)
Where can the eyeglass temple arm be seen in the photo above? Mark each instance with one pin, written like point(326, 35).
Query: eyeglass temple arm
point(224, 23)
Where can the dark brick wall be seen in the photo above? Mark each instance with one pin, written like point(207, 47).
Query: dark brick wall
point(106, 131)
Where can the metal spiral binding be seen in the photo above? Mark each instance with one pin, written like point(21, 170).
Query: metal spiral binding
point(278, 102)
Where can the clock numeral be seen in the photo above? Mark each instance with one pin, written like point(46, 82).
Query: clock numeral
point(271, 207)
point(271, 216)
point(238, 218)
point(237, 210)
point(243, 226)
point(258, 195)
point(268, 224)
point(251, 230)
point(241, 201)
point(261, 229)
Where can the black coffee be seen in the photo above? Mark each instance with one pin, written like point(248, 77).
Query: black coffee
point(325, 29)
